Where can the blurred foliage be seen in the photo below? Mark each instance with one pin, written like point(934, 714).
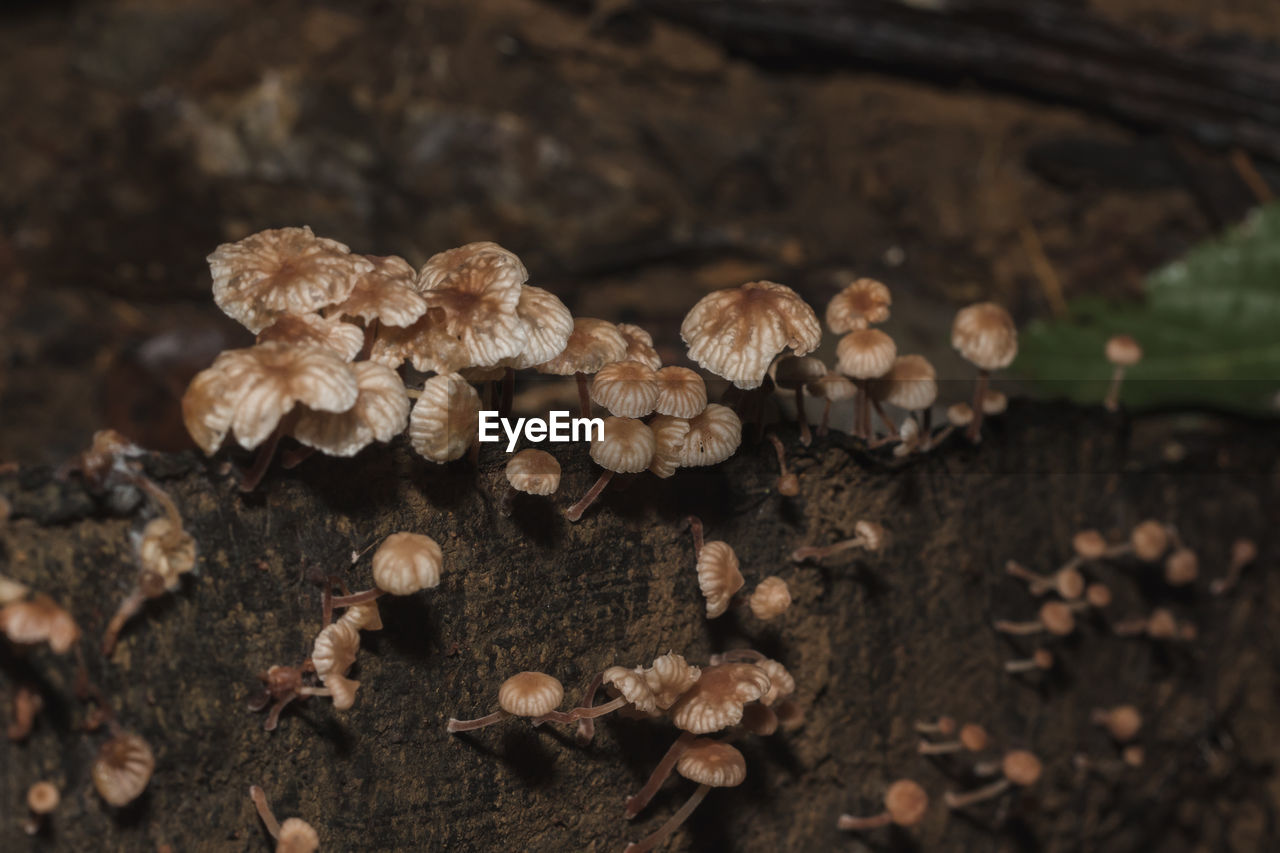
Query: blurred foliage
point(1209, 327)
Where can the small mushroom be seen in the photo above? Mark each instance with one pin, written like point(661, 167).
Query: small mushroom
point(905, 804)
point(122, 769)
point(1181, 567)
point(312, 330)
point(864, 302)
point(985, 335)
point(1018, 767)
point(867, 534)
point(1123, 352)
point(793, 373)
point(944, 726)
point(474, 291)
point(714, 436)
point(42, 799)
point(386, 294)
point(716, 699)
point(1066, 582)
point(972, 738)
point(627, 389)
point(1041, 659)
point(712, 765)
point(1055, 617)
point(39, 620)
point(593, 344)
point(863, 355)
point(627, 447)
point(788, 483)
point(639, 345)
point(669, 436)
point(165, 553)
point(525, 694)
point(770, 599)
point(682, 393)
point(911, 384)
point(11, 590)
point(380, 413)
point(444, 422)
point(533, 472)
point(1160, 625)
point(404, 563)
point(833, 387)
point(293, 836)
point(719, 577)
point(1148, 541)
point(1243, 552)
point(1097, 595)
point(1122, 722)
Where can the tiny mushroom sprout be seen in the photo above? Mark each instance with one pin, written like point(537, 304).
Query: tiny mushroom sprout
point(639, 345)
point(832, 387)
point(711, 764)
point(682, 393)
point(165, 553)
point(911, 384)
point(1123, 352)
point(476, 288)
point(533, 472)
point(332, 654)
point(293, 836)
point(864, 302)
point(770, 599)
point(1160, 625)
point(39, 620)
point(282, 271)
point(985, 335)
point(627, 447)
point(669, 435)
point(1066, 582)
point(42, 799)
point(1181, 567)
point(972, 738)
point(714, 436)
point(863, 355)
point(122, 769)
point(736, 333)
point(525, 694)
point(404, 563)
point(1122, 722)
point(1041, 659)
point(793, 373)
point(312, 330)
point(1054, 617)
point(719, 576)
point(592, 344)
point(788, 484)
point(380, 413)
point(628, 389)
point(1243, 552)
point(867, 534)
point(444, 422)
point(1018, 767)
point(905, 804)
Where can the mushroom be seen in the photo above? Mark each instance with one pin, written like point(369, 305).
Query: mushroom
point(1066, 582)
point(380, 413)
point(533, 472)
point(669, 436)
point(984, 334)
point(972, 738)
point(593, 344)
point(867, 534)
point(911, 384)
point(793, 373)
point(905, 804)
point(282, 271)
point(719, 577)
point(639, 345)
point(712, 765)
point(945, 726)
point(1089, 544)
point(863, 355)
point(1054, 617)
point(1122, 722)
point(681, 392)
point(667, 678)
point(39, 620)
point(627, 447)
point(165, 553)
point(864, 302)
point(788, 483)
point(713, 436)
point(476, 288)
point(386, 294)
point(716, 699)
point(547, 325)
point(628, 389)
point(1018, 767)
point(11, 590)
point(1181, 567)
point(525, 694)
point(444, 422)
point(404, 563)
point(833, 387)
point(770, 599)
point(312, 330)
point(122, 769)
point(362, 617)
point(1123, 352)
point(42, 799)
point(1041, 659)
point(1243, 552)
point(293, 836)
point(26, 704)
point(1097, 595)
point(1160, 625)
point(283, 684)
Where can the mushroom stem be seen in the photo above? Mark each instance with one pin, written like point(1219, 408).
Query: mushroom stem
point(636, 803)
point(672, 824)
point(818, 552)
point(888, 421)
point(968, 798)
point(695, 527)
point(291, 459)
point(945, 747)
point(1019, 628)
point(584, 397)
point(848, 821)
point(478, 723)
point(161, 497)
point(508, 391)
point(259, 798)
point(940, 726)
point(128, 608)
point(253, 476)
point(825, 423)
point(273, 716)
point(582, 713)
point(860, 411)
point(802, 420)
point(788, 483)
point(575, 512)
point(1042, 659)
point(587, 725)
point(1112, 401)
point(979, 389)
point(363, 597)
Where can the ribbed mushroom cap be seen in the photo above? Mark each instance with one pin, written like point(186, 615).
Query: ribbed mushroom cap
point(282, 271)
point(669, 436)
point(442, 266)
point(639, 345)
point(342, 690)
point(832, 386)
point(1181, 567)
point(312, 330)
point(530, 694)
point(718, 576)
point(477, 287)
point(713, 437)
point(426, 344)
point(681, 392)
point(406, 563)
point(593, 344)
point(994, 402)
point(547, 325)
point(1149, 540)
point(781, 683)
point(736, 333)
point(444, 422)
point(864, 302)
point(334, 650)
point(167, 551)
point(534, 472)
point(1021, 767)
point(122, 769)
point(906, 802)
point(387, 293)
point(380, 414)
point(43, 797)
point(248, 391)
point(627, 446)
point(770, 599)
point(670, 677)
point(865, 354)
point(873, 535)
point(297, 836)
point(960, 414)
point(1123, 351)
point(792, 372)
point(1089, 544)
point(984, 334)
point(633, 687)
point(911, 384)
point(39, 620)
point(363, 617)
point(628, 389)
point(715, 700)
point(712, 763)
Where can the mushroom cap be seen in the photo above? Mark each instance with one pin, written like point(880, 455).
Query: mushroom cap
point(363, 617)
point(759, 719)
point(593, 344)
point(833, 386)
point(640, 345)
point(39, 620)
point(1069, 583)
point(627, 447)
point(711, 763)
point(282, 271)
point(547, 325)
point(477, 287)
point(792, 372)
point(312, 330)
point(1057, 618)
point(628, 389)
point(718, 576)
point(1162, 624)
point(426, 343)
point(1149, 540)
point(530, 694)
point(632, 685)
point(974, 737)
point(122, 769)
point(1097, 595)
point(297, 836)
point(380, 413)
point(863, 302)
point(682, 393)
point(1123, 351)
point(334, 650)
point(406, 563)
point(906, 802)
point(342, 691)
point(534, 472)
point(714, 435)
point(670, 677)
point(43, 797)
point(669, 435)
point(11, 590)
point(248, 391)
point(166, 550)
point(1181, 567)
point(770, 599)
point(1243, 552)
point(1122, 722)
point(387, 293)
point(873, 535)
point(781, 682)
point(865, 354)
point(994, 402)
point(984, 334)
point(1021, 767)
point(444, 423)
point(960, 414)
point(911, 384)
point(715, 700)
point(442, 266)
point(736, 333)
point(1089, 544)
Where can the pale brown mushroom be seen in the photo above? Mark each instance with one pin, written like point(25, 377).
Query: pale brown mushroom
point(719, 577)
point(905, 804)
point(714, 436)
point(972, 738)
point(593, 344)
point(477, 288)
point(1181, 567)
point(863, 355)
point(985, 335)
point(1123, 722)
point(1054, 617)
point(312, 330)
point(944, 725)
point(793, 373)
point(1161, 624)
point(867, 534)
point(42, 798)
point(165, 553)
point(444, 423)
point(770, 599)
point(525, 694)
point(864, 302)
point(716, 699)
point(293, 836)
point(1041, 659)
point(1019, 767)
point(534, 472)
point(1123, 352)
point(39, 620)
point(712, 765)
point(911, 384)
point(387, 294)
point(682, 393)
point(380, 413)
point(627, 447)
point(669, 436)
point(627, 389)
point(122, 769)
point(639, 345)
point(1066, 582)
point(833, 387)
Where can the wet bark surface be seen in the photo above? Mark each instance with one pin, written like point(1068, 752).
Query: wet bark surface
point(875, 641)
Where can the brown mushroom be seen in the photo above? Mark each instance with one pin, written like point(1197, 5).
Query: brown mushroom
point(1018, 767)
point(833, 387)
point(715, 701)
point(477, 288)
point(770, 599)
point(681, 392)
point(42, 799)
point(312, 330)
point(1123, 352)
point(972, 738)
point(1041, 659)
point(719, 577)
point(593, 344)
point(380, 413)
point(627, 389)
point(1122, 722)
point(712, 765)
point(293, 836)
point(669, 436)
point(713, 437)
point(863, 355)
point(864, 302)
point(793, 373)
point(39, 620)
point(533, 472)
point(985, 335)
point(444, 423)
point(525, 694)
point(122, 769)
point(627, 447)
point(788, 484)
point(1055, 617)
point(911, 384)
point(404, 563)
point(639, 345)
point(1066, 582)
point(905, 804)
point(867, 534)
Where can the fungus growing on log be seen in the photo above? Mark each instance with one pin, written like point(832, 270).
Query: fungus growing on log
point(985, 335)
point(122, 769)
point(525, 694)
point(864, 302)
point(1123, 352)
point(905, 804)
point(1018, 767)
point(712, 765)
point(592, 345)
point(627, 447)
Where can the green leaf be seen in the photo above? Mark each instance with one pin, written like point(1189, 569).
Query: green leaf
point(1209, 326)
